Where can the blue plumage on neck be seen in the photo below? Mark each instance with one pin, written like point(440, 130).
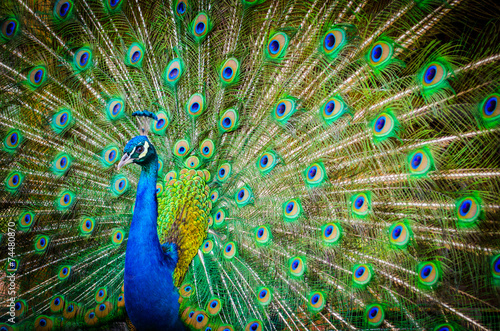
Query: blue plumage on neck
point(151, 299)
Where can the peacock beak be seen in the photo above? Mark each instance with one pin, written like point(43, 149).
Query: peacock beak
point(126, 159)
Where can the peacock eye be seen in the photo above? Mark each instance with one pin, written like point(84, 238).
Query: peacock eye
point(140, 149)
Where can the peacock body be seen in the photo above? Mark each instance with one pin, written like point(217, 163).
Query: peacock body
point(303, 165)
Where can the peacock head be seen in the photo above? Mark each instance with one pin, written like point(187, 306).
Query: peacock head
point(138, 150)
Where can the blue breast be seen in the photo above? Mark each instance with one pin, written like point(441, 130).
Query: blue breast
point(151, 299)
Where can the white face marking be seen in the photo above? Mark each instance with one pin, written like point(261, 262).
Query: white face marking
point(143, 154)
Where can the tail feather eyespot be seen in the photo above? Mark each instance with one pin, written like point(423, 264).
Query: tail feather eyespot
point(200, 26)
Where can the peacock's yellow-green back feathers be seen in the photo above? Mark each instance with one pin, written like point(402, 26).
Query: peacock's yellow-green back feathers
point(350, 152)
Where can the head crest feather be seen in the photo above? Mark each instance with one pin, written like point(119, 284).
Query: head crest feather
point(144, 117)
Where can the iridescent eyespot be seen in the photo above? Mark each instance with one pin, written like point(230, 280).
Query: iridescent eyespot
point(82, 59)
point(230, 250)
point(264, 296)
point(316, 301)
point(13, 181)
point(229, 72)
point(171, 175)
point(113, 5)
point(214, 306)
point(115, 109)
point(433, 75)
point(219, 217)
point(173, 72)
point(101, 294)
point(361, 274)
point(117, 237)
point(37, 76)
point(468, 209)
point(263, 235)
point(26, 219)
point(490, 109)
point(277, 45)
point(87, 226)
point(200, 26)
point(119, 185)
point(121, 300)
point(43, 323)
point(244, 196)
point(374, 315)
point(331, 233)
point(297, 266)
point(181, 148)
point(192, 162)
point(267, 162)
point(110, 155)
point(495, 267)
point(71, 310)
point(207, 246)
point(207, 149)
point(420, 162)
point(292, 210)
point(9, 28)
point(333, 109)
point(186, 290)
point(12, 140)
point(21, 307)
point(283, 110)
point(254, 325)
point(103, 309)
point(361, 204)
point(223, 172)
point(62, 120)
point(159, 189)
point(214, 195)
point(229, 120)
point(57, 304)
point(181, 7)
point(160, 126)
point(12, 265)
point(380, 53)
point(63, 10)
point(384, 126)
point(5, 327)
point(64, 272)
point(135, 55)
point(90, 317)
point(187, 314)
point(195, 105)
point(41, 243)
point(428, 273)
point(65, 200)
point(399, 234)
point(315, 174)
point(199, 320)
point(61, 164)
point(444, 327)
point(333, 41)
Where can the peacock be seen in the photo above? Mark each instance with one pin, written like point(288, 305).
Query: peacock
point(250, 165)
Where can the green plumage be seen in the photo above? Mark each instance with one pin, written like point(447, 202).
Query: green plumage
point(329, 165)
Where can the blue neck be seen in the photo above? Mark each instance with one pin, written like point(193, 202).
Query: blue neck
point(151, 299)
